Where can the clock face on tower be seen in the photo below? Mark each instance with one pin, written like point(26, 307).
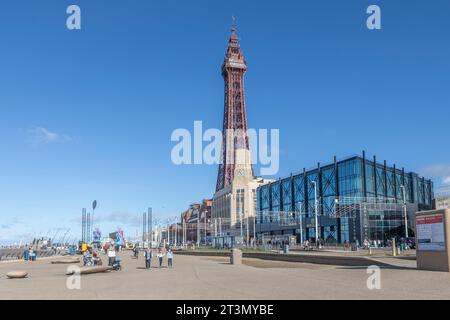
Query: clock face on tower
point(241, 173)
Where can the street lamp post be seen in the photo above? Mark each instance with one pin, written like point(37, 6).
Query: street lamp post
point(240, 217)
point(315, 212)
point(247, 229)
point(168, 232)
point(198, 229)
point(300, 222)
point(183, 234)
point(254, 231)
point(206, 230)
point(94, 205)
point(176, 231)
point(404, 209)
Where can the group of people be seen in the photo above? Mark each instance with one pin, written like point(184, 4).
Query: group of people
point(148, 255)
point(310, 244)
point(29, 254)
point(91, 257)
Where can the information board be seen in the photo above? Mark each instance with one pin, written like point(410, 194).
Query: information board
point(430, 232)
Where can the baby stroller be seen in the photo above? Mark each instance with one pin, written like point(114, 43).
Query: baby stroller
point(116, 265)
point(88, 261)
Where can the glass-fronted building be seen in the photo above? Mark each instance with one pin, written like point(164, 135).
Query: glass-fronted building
point(356, 199)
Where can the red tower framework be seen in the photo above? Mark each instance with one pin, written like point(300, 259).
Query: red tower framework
point(234, 134)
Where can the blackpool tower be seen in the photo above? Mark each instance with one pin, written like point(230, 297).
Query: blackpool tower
point(234, 134)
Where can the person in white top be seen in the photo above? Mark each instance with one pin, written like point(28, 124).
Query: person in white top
point(170, 258)
point(111, 256)
point(160, 257)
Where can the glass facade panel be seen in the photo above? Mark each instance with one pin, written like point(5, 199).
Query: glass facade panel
point(381, 180)
point(390, 183)
point(328, 176)
point(370, 180)
point(421, 191)
point(265, 216)
point(287, 207)
point(286, 194)
point(299, 191)
point(265, 196)
point(427, 187)
point(275, 193)
point(345, 231)
point(350, 178)
point(258, 205)
point(408, 184)
point(384, 225)
point(330, 234)
point(416, 189)
point(328, 205)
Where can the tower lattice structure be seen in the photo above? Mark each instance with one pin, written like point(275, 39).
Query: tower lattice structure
point(234, 134)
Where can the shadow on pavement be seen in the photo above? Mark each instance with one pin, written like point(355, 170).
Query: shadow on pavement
point(381, 267)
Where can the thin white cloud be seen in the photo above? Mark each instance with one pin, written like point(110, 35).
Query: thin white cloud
point(124, 218)
point(8, 225)
point(438, 171)
point(41, 135)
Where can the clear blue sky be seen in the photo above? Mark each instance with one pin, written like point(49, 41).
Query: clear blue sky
point(88, 114)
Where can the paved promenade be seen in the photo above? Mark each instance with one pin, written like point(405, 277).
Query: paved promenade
point(196, 277)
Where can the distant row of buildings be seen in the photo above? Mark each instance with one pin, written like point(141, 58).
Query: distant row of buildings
point(194, 224)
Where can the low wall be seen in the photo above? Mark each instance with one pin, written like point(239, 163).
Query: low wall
point(17, 254)
point(354, 261)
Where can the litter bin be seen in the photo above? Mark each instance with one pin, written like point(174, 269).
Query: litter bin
point(286, 249)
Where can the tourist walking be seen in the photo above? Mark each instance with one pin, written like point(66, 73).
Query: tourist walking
point(26, 254)
point(170, 258)
point(160, 257)
point(148, 253)
point(31, 254)
point(111, 256)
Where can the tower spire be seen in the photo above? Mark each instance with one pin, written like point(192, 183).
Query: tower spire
point(233, 38)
